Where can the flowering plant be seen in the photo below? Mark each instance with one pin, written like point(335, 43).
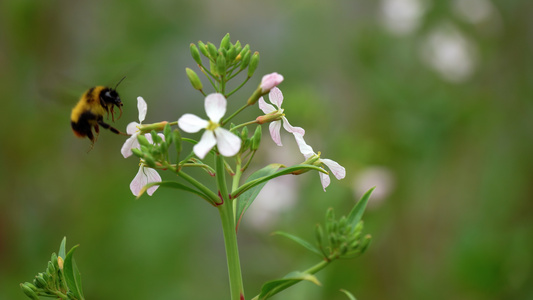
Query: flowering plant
point(231, 148)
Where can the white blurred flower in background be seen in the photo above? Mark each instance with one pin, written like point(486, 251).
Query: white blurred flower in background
point(401, 17)
point(451, 54)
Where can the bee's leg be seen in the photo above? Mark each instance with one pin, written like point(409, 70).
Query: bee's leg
point(92, 138)
point(112, 129)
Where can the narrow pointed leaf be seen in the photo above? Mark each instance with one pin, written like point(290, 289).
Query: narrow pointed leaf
point(62, 252)
point(248, 185)
point(72, 274)
point(246, 199)
point(175, 185)
point(300, 241)
point(273, 287)
point(357, 212)
point(350, 296)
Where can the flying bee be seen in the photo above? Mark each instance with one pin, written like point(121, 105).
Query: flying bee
point(90, 110)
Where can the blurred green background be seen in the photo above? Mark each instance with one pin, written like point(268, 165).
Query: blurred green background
point(429, 100)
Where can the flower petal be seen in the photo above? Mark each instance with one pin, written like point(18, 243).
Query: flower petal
point(228, 143)
point(205, 144)
point(269, 81)
point(292, 129)
point(275, 128)
point(191, 123)
point(151, 176)
point(129, 144)
point(265, 107)
point(142, 107)
point(338, 171)
point(215, 106)
point(132, 128)
point(305, 149)
point(276, 97)
point(325, 180)
point(138, 182)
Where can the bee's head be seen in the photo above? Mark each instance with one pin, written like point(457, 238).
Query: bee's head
point(111, 97)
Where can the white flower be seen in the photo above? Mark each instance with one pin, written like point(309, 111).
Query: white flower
point(270, 81)
point(215, 107)
point(338, 171)
point(144, 176)
point(133, 129)
point(276, 97)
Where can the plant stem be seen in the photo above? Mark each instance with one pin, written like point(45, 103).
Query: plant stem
point(230, 235)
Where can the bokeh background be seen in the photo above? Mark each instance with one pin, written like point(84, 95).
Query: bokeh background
point(431, 101)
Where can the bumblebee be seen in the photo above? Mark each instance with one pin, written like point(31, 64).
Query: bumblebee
point(90, 110)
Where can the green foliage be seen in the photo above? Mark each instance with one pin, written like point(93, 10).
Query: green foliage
point(61, 279)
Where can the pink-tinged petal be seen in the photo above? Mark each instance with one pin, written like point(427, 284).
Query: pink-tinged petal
point(138, 182)
point(215, 106)
point(191, 123)
point(292, 129)
point(129, 144)
point(132, 128)
point(228, 144)
point(276, 97)
point(142, 107)
point(269, 81)
point(305, 149)
point(275, 134)
point(265, 107)
point(206, 143)
point(325, 180)
point(151, 176)
point(338, 171)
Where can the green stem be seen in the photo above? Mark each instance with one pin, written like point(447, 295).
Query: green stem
point(233, 115)
point(230, 235)
point(239, 87)
point(243, 124)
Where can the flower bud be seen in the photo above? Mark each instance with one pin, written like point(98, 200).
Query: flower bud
point(143, 140)
point(319, 233)
point(254, 61)
point(40, 282)
point(225, 42)
point(149, 161)
point(212, 50)
point(256, 138)
point(221, 65)
point(137, 152)
point(194, 79)
point(203, 48)
point(29, 289)
point(60, 261)
point(270, 81)
point(195, 54)
point(244, 133)
point(232, 53)
point(255, 97)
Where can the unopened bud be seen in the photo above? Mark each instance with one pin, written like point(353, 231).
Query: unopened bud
point(143, 140)
point(29, 289)
point(221, 65)
point(177, 141)
point(254, 61)
point(137, 152)
point(194, 79)
point(60, 259)
point(203, 48)
point(225, 42)
point(270, 81)
point(212, 50)
point(256, 139)
point(195, 54)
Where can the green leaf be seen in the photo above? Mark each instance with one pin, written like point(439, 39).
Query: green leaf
point(348, 294)
point(245, 200)
point(175, 185)
point(72, 275)
point(300, 241)
point(357, 212)
point(273, 287)
point(62, 252)
point(250, 184)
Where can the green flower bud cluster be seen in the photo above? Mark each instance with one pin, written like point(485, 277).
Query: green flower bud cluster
point(155, 153)
point(50, 283)
point(225, 62)
point(341, 238)
point(250, 143)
